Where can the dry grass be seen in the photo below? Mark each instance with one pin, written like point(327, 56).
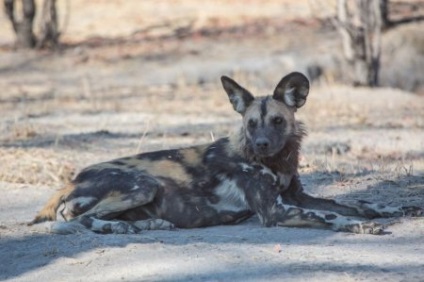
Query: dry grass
point(35, 166)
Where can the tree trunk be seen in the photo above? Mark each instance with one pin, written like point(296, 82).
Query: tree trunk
point(24, 29)
point(49, 34)
point(360, 27)
point(384, 10)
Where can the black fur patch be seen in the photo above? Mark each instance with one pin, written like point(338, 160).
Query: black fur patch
point(330, 216)
point(118, 162)
point(173, 155)
point(264, 110)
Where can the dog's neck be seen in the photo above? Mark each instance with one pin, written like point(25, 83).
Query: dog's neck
point(285, 161)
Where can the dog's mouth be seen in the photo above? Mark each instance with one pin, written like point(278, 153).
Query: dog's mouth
point(268, 152)
point(264, 153)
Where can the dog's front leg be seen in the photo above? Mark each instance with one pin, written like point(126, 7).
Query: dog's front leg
point(279, 214)
point(294, 195)
point(265, 200)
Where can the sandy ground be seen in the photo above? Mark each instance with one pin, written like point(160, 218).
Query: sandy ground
point(102, 99)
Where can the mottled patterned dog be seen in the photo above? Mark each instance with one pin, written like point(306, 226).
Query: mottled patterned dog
point(254, 171)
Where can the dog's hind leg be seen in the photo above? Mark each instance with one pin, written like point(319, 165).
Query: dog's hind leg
point(123, 195)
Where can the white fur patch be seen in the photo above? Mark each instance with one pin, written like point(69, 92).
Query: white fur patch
point(238, 103)
point(98, 224)
point(245, 167)
point(65, 228)
point(289, 97)
point(279, 200)
point(285, 179)
point(68, 207)
point(341, 222)
point(82, 201)
point(267, 171)
point(232, 198)
point(136, 187)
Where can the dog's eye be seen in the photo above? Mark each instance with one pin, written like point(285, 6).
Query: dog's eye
point(277, 120)
point(252, 123)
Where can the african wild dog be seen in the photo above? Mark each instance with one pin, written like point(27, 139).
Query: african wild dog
point(254, 171)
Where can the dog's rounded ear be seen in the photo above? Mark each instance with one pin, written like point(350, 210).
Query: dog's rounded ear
point(292, 90)
point(239, 97)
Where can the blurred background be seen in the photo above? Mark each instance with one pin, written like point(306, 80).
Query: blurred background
point(326, 39)
point(85, 81)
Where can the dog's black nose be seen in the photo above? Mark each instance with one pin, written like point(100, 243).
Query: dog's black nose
point(262, 143)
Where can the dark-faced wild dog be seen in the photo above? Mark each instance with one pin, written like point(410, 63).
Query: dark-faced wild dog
point(254, 171)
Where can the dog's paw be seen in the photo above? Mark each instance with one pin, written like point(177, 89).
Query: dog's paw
point(413, 211)
point(154, 224)
point(368, 227)
point(123, 228)
point(64, 228)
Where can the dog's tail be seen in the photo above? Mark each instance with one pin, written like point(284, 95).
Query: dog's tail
point(48, 213)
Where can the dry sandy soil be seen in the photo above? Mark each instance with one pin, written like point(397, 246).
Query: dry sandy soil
point(125, 91)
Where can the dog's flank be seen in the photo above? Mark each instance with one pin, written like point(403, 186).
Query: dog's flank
point(254, 171)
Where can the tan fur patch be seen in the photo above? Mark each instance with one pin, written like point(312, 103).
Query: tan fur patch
point(192, 156)
point(135, 162)
point(49, 210)
point(277, 108)
point(109, 165)
point(254, 111)
point(234, 146)
point(165, 168)
point(115, 194)
point(112, 202)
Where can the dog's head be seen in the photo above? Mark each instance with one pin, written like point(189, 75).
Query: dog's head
point(268, 121)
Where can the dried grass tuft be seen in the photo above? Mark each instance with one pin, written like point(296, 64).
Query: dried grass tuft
point(35, 166)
